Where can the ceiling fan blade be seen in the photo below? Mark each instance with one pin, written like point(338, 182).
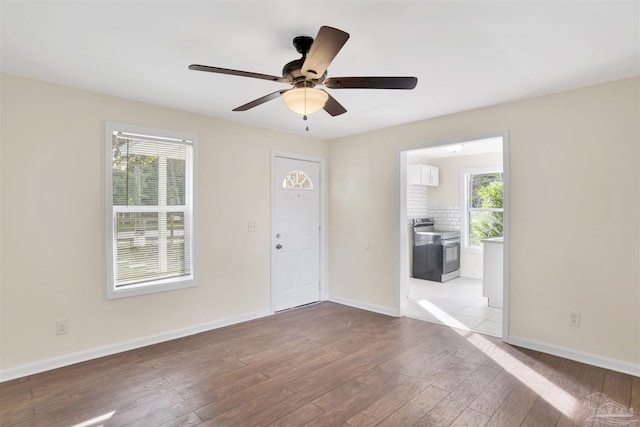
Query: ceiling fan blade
point(325, 47)
point(218, 70)
point(261, 100)
point(371, 82)
point(333, 107)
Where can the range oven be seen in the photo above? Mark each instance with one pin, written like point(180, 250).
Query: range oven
point(436, 253)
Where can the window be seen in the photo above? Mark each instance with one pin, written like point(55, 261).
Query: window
point(150, 210)
point(298, 180)
point(483, 205)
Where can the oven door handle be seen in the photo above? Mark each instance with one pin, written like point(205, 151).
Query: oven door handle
point(450, 242)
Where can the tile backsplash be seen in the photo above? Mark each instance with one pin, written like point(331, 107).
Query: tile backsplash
point(417, 201)
point(445, 217)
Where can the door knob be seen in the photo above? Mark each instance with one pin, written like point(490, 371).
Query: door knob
point(278, 246)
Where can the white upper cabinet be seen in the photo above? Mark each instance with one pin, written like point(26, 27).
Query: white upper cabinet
point(422, 175)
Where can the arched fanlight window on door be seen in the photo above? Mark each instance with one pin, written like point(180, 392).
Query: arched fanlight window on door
point(297, 180)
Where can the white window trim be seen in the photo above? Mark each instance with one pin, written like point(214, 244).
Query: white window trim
point(169, 284)
point(464, 203)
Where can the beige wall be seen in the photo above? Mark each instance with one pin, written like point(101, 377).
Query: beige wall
point(447, 193)
point(53, 236)
point(574, 161)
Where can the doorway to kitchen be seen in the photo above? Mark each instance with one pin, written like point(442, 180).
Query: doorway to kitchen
point(460, 191)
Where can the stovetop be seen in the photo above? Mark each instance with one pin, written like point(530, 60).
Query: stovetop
point(444, 234)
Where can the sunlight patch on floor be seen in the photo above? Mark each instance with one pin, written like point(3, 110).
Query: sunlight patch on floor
point(441, 315)
point(96, 421)
point(543, 387)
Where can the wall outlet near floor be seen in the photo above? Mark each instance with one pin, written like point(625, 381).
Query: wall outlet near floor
point(252, 226)
point(62, 327)
point(574, 318)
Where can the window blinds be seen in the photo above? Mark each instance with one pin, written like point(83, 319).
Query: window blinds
point(152, 209)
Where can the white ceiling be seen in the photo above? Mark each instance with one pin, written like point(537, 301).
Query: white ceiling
point(465, 54)
point(466, 148)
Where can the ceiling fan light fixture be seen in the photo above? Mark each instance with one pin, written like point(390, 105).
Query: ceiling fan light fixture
point(305, 100)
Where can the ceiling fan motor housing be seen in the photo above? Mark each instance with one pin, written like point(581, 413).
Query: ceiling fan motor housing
point(293, 70)
point(303, 44)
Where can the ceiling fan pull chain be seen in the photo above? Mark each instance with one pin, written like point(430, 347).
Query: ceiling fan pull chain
point(305, 107)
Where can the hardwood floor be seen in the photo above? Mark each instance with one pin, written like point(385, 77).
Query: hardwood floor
point(322, 365)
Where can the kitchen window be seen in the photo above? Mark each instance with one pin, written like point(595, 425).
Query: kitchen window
point(150, 199)
point(483, 203)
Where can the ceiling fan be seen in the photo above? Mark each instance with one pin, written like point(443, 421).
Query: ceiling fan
point(306, 73)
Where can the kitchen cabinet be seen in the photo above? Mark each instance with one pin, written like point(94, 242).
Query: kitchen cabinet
point(492, 271)
point(422, 175)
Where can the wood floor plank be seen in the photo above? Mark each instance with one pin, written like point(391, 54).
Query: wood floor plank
point(347, 367)
point(425, 360)
point(495, 394)
point(531, 383)
point(542, 413)
point(215, 415)
point(299, 417)
point(455, 376)
point(617, 387)
point(457, 401)
point(565, 406)
point(470, 418)
point(212, 387)
point(398, 362)
point(321, 365)
point(16, 416)
point(399, 396)
point(187, 420)
point(292, 405)
point(388, 404)
point(635, 395)
point(590, 380)
point(316, 359)
point(288, 345)
point(151, 412)
point(275, 382)
point(96, 404)
point(345, 401)
point(415, 409)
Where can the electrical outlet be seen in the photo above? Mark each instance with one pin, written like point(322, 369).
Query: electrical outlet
point(252, 226)
point(574, 318)
point(62, 327)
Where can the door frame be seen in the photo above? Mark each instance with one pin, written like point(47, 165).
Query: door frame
point(322, 250)
point(402, 257)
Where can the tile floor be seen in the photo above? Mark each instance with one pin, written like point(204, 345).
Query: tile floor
point(457, 303)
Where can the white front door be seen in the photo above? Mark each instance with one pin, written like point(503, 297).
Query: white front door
point(295, 233)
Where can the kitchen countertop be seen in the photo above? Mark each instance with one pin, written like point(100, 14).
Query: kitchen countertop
point(494, 240)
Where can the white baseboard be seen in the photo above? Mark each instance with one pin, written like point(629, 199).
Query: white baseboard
point(364, 306)
point(578, 356)
point(94, 353)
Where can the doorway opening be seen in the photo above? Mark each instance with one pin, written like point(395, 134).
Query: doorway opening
point(460, 188)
